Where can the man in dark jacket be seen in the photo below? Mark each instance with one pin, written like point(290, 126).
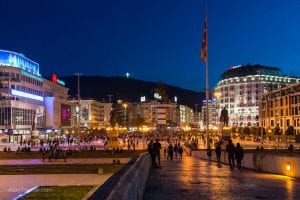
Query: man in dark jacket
point(151, 152)
point(239, 155)
point(156, 150)
point(218, 153)
point(230, 150)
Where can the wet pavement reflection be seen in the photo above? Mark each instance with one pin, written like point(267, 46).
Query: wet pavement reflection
point(192, 178)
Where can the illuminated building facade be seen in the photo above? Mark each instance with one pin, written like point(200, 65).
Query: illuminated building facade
point(186, 115)
point(156, 113)
point(212, 113)
point(241, 87)
point(94, 114)
point(281, 108)
point(24, 98)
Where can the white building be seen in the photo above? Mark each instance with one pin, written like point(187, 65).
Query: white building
point(186, 117)
point(241, 87)
point(159, 114)
point(25, 99)
point(212, 113)
point(94, 114)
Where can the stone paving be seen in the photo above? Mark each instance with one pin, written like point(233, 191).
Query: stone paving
point(12, 185)
point(192, 178)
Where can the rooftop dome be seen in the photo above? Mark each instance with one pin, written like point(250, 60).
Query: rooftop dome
point(250, 69)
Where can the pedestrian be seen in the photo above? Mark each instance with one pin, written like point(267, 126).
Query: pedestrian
point(209, 154)
point(230, 150)
point(291, 148)
point(218, 153)
point(180, 151)
point(176, 150)
point(150, 151)
point(170, 152)
point(239, 155)
point(156, 150)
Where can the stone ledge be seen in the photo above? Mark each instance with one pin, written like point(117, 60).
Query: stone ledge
point(128, 183)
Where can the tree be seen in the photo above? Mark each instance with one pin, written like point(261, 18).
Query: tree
point(290, 131)
point(253, 130)
point(277, 132)
point(233, 129)
point(239, 130)
point(138, 120)
point(246, 130)
point(113, 118)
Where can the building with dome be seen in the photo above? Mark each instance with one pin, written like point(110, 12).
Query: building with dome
point(240, 88)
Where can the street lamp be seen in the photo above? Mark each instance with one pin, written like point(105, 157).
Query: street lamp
point(125, 105)
point(78, 100)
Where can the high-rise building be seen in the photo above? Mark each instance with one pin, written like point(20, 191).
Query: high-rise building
point(240, 89)
point(212, 113)
point(186, 115)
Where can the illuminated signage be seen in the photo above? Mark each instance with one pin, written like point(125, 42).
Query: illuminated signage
point(26, 95)
point(175, 99)
point(14, 59)
point(65, 115)
point(56, 80)
point(24, 73)
point(143, 99)
point(209, 101)
point(234, 67)
point(157, 96)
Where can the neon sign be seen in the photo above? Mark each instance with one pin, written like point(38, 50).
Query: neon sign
point(56, 80)
point(10, 58)
point(26, 95)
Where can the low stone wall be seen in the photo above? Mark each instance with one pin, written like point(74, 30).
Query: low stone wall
point(128, 183)
point(272, 163)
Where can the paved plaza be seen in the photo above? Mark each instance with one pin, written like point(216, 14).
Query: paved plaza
point(12, 185)
point(193, 178)
point(61, 161)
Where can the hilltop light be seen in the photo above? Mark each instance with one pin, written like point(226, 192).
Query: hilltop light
point(127, 75)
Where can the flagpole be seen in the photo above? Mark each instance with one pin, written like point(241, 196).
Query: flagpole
point(207, 85)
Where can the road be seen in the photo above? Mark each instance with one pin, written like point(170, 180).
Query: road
point(192, 178)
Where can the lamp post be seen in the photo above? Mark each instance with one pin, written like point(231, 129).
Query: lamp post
point(125, 105)
point(261, 105)
point(78, 101)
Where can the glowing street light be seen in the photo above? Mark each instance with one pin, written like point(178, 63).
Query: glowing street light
point(125, 105)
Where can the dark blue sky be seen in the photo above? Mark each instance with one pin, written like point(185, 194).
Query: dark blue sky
point(155, 40)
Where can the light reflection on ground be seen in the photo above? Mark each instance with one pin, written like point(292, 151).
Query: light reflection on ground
point(193, 178)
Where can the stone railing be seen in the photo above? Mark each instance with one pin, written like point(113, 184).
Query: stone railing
point(283, 164)
point(128, 183)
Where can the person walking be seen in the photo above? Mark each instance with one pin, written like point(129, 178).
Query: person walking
point(170, 152)
point(180, 151)
point(239, 155)
point(218, 153)
point(176, 151)
point(230, 150)
point(209, 154)
point(156, 150)
point(150, 151)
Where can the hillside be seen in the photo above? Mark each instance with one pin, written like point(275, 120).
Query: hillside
point(128, 89)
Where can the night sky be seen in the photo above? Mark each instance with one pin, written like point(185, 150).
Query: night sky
point(155, 40)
